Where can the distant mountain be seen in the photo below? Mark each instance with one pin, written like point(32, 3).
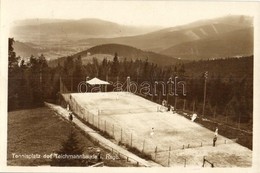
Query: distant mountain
point(213, 38)
point(169, 37)
point(35, 21)
point(26, 50)
point(124, 52)
point(35, 29)
point(228, 44)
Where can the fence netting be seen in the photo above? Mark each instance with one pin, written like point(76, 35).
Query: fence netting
point(135, 143)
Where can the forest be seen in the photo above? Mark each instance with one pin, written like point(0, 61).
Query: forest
point(229, 83)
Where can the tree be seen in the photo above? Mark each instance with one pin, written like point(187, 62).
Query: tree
point(182, 70)
point(24, 92)
point(13, 77)
point(12, 59)
point(38, 74)
point(115, 66)
point(146, 69)
point(70, 147)
point(27, 82)
point(68, 70)
point(95, 66)
point(78, 75)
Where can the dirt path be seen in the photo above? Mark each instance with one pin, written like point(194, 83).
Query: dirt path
point(103, 141)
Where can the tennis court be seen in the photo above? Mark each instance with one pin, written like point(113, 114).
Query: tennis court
point(176, 141)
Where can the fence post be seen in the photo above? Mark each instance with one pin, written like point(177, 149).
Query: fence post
point(169, 157)
point(98, 122)
point(193, 107)
point(185, 162)
point(143, 145)
point(121, 135)
point(155, 153)
point(239, 122)
point(113, 131)
point(105, 125)
point(175, 103)
point(184, 103)
point(131, 140)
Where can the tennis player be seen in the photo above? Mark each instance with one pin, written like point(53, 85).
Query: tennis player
point(152, 132)
point(216, 131)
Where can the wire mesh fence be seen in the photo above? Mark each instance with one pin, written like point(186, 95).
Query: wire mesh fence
point(145, 147)
point(102, 125)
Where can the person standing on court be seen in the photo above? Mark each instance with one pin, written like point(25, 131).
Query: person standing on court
point(70, 116)
point(214, 140)
point(152, 132)
point(216, 132)
point(215, 137)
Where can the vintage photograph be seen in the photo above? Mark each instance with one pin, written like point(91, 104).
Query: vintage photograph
point(130, 84)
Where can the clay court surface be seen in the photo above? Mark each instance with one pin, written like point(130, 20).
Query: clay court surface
point(130, 119)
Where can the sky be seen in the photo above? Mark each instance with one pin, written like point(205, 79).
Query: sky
point(151, 13)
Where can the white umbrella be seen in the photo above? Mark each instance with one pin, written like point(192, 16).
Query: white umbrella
point(96, 81)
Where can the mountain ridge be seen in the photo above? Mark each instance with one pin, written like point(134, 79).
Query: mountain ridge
point(124, 53)
point(230, 44)
point(168, 37)
point(60, 38)
point(84, 28)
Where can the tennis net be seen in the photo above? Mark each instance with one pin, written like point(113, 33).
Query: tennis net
point(116, 111)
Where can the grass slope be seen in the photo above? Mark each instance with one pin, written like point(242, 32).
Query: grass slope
point(41, 131)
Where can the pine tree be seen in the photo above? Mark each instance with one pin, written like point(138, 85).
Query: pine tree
point(13, 77)
point(12, 59)
point(69, 147)
point(78, 75)
point(38, 73)
point(115, 66)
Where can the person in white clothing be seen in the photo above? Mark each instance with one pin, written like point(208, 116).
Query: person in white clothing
point(194, 116)
point(152, 132)
point(216, 132)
